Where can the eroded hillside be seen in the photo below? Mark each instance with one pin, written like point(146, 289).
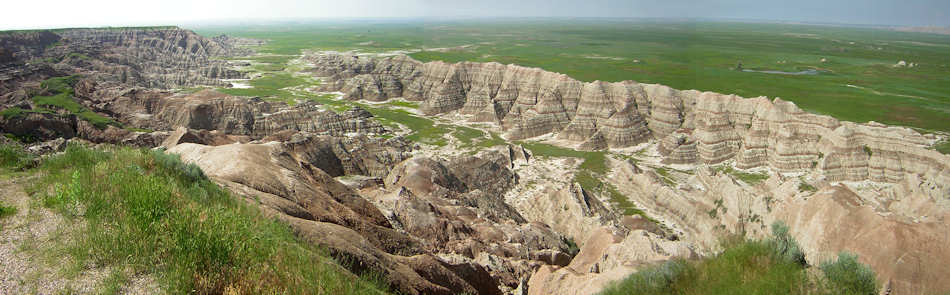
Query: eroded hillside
point(488, 178)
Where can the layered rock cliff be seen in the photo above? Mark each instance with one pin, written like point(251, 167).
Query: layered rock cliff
point(165, 57)
point(710, 127)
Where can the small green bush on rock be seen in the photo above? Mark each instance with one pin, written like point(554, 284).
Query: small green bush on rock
point(773, 266)
point(172, 162)
point(785, 245)
point(848, 276)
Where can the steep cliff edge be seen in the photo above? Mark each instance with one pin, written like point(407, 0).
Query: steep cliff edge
point(529, 102)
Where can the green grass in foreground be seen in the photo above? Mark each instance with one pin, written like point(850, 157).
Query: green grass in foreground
point(772, 266)
point(14, 157)
point(6, 210)
point(146, 211)
point(493, 140)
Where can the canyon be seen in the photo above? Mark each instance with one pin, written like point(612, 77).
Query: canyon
point(500, 219)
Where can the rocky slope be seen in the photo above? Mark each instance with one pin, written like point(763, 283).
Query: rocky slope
point(111, 63)
point(165, 57)
point(872, 180)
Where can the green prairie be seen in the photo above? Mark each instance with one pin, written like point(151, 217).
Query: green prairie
point(857, 81)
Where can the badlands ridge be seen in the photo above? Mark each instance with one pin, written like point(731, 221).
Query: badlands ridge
point(449, 219)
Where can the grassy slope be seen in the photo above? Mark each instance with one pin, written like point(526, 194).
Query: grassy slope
point(146, 211)
point(772, 266)
point(684, 55)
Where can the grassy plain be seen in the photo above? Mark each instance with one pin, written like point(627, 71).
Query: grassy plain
point(683, 55)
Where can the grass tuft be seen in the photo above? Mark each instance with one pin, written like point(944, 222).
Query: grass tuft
point(805, 187)
point(7, 210)
point(15, 157)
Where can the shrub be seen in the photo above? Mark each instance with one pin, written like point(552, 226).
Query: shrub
point(14, 156)
point(848, 276)
point(805, 187)
point(744, 267)
point(173, 163)
point(572, 248)
point(659, 279)
point(785, 245)
point(772, 266)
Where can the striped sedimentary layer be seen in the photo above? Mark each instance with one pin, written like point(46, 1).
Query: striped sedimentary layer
point(529, 102)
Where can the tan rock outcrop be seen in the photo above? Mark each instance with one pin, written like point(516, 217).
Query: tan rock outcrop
point(326, 212)
point(604, 258)
point(457, 208)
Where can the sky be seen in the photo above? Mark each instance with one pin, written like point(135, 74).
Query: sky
point(33, 14)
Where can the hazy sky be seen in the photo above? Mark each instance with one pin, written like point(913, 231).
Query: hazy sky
point(24, 14)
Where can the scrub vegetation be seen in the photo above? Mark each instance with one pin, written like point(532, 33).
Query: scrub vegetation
point(772, 266)
point(146, 212)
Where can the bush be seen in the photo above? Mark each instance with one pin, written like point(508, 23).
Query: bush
point(772, 266)
point(572, 248)
point(744, 267)
point(659, 279)
point(173, 163)
point(805, 187)
point(848, 276)
point(785, 245)
point(14, 156)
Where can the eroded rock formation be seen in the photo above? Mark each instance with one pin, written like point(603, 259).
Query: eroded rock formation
point(529, 102)
point(166, 57)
